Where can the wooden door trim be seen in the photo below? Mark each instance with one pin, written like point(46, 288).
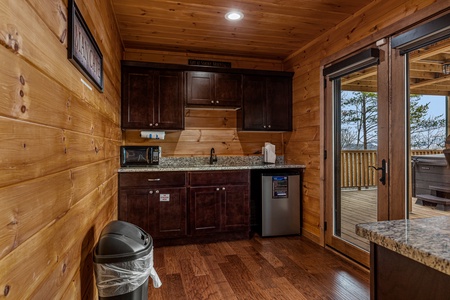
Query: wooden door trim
point(327, 177)
point(398, 151)
point(383, 83)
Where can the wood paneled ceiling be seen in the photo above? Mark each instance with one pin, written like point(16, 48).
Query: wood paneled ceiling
point(271, 29)
point(426, 76)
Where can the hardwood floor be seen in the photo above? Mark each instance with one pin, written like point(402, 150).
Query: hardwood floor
point(259, 268)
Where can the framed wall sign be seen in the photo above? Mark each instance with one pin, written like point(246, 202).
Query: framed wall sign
point(82, 49)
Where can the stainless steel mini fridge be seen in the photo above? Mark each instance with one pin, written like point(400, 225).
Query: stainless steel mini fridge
point(280, 203)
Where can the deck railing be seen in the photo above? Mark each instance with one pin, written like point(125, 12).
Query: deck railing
point(355, 171)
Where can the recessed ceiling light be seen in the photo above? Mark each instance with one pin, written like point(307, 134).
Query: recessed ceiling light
point(234, 15)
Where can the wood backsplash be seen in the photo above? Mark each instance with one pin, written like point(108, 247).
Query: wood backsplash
point(206, 129)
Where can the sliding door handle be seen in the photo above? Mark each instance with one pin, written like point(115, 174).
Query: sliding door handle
point(383, 169)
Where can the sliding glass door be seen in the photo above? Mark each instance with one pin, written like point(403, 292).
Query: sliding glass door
point(357, 164)
point(425, 51)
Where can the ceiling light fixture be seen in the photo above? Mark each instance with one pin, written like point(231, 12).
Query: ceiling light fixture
point(234, 15)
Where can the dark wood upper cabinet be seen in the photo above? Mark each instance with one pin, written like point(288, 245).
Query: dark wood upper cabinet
point(266, 104)
point(154, 95)
point(152, 99)
point(209, 89)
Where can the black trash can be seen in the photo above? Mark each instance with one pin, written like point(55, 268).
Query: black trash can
point(123, 261)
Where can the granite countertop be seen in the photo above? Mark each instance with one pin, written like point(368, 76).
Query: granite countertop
point(215, 167)
point(424, 240)
point(202, 164)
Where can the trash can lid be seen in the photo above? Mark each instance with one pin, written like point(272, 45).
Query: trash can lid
point(122, 241)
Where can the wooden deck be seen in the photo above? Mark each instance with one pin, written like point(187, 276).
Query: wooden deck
point(360, 207)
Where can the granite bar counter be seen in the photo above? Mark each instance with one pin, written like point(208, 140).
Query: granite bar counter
point(410, 259)
point(171, 164)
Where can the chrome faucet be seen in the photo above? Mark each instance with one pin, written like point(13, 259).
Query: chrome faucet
point(212, 157)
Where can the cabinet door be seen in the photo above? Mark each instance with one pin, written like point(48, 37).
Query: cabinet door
point(134, 207)
point(200, 88)
point(228, 90)
point(235, 208)
point(168, 102)
point(253, 103)
point(168, 212)
point(137, 91)
point(279, 104)
point(204, 210)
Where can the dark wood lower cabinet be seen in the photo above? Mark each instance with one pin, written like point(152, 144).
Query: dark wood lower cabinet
point(187, 211)
point(134, 207)
point(219, 209)
point(394, 276)
point(168, 213)
point(235, 214)
point(204, 210)
point(160, 212)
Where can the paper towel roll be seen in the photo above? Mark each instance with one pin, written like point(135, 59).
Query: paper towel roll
point(269, 153)
point(157, 135)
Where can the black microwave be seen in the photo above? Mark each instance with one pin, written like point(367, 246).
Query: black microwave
point(135, 156)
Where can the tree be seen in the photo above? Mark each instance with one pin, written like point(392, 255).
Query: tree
point(359, 110)
point(359, 122)
point(426, 132)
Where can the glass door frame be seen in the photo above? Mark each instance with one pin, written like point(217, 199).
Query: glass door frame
point(395, 72)
point(331, 240)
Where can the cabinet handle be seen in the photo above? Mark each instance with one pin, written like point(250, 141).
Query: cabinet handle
point(217, 189)
point(151, 192)
point(264, 126)
point(156, 124)
point(217, 101)
point(157, 192)
point(151, 124)
point(212, 101)
point(223, 189)
point(269, 126)
point(153, 179)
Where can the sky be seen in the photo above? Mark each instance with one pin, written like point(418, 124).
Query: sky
point(437, 104)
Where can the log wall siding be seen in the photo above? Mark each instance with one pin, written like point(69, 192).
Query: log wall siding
point(58, 150)
point(304, 145)
point(204, 128)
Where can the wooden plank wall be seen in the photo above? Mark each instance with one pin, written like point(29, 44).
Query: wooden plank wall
point(303, 145)
point(206, 129)
point(58, 150)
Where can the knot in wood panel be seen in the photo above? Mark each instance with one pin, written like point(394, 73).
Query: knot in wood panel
point(13, 40)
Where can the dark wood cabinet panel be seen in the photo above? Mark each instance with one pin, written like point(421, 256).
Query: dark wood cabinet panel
point(155, 201)
point(152, 179)
point(134, 207)
point(204, 210)
point(208, 89)
point(235, 210)
point(160, 212)
point(137, 91)
point(279, 103)
point(394, 276)
point(210, 206)
point(253, 103)
point(203, 178)
point(223, 206)
point(152, 99)
point(228, 90)
point(168, 213)
point(200, 88)
point(169, 100)
point(266, 104)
